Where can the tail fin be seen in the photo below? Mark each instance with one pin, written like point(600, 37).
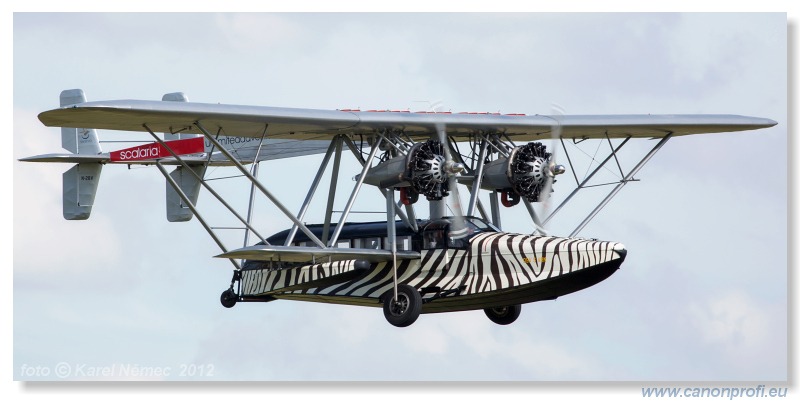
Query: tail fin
point(177, 97)
point(79, 141)
point(79, 182)
point(177, 211)
point(80, 187)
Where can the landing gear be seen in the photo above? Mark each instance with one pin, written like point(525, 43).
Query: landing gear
point(503, 315)
point(404, 310)
point(228, 298)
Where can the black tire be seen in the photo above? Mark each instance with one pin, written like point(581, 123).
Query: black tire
point(406, 309)
point(228, 298)
point(503, 315)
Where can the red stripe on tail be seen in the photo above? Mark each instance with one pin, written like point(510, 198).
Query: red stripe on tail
point(154, 151)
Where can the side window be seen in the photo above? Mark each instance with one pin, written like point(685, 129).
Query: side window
point(371, 243)
point(404, 243)
point(417, 243)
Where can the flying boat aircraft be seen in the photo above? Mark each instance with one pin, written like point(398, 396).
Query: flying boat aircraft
point(406, 265)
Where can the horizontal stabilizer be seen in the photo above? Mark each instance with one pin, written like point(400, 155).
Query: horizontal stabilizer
point(68, 158)
point(80, 187)
point(300, 254)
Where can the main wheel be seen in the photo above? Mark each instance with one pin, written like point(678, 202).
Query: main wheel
point(504, 315)
point(405, 309)
point(228, 298)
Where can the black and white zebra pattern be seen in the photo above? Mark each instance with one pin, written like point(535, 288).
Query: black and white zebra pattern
point(493, 262)
point(257, 282)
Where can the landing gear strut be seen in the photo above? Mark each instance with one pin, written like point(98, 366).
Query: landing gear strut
point(503, 315)
point(229, 297)
point(404, 310)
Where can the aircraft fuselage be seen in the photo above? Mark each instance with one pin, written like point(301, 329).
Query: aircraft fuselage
point(484, 270)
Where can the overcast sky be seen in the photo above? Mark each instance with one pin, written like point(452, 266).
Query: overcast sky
point(702, 295)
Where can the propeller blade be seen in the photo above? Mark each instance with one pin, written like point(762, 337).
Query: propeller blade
point(441, 131)
point(458, 228)
point(550, 174)
point(553, 168)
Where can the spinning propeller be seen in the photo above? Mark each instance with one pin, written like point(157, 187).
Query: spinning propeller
point(458, 228)
point(551, 170)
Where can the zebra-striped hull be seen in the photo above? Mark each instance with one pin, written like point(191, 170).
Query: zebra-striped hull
point(496, 269)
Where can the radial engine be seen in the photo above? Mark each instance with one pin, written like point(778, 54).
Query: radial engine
point(424, 170)
point(524, 173)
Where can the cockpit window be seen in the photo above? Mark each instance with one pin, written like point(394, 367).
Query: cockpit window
point(434, 239)
point(481, 225)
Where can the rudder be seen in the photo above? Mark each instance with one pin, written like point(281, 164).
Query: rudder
point(80, 186)
point(78, 140)
point(79, 182)
point(177, 211)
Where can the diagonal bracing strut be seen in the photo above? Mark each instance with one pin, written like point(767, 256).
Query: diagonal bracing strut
point(622, 183)
point(204, 184)
point(260, 186)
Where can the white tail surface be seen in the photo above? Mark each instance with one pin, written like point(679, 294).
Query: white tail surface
point(80, 187)
point(79, 182)
point(177, 97)
point(177, 211)
point(78, 140)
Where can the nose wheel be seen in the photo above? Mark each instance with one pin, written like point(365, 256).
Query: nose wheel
point(405, 309)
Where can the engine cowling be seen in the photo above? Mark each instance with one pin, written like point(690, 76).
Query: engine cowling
point(422, 171)
point(426, 170)
point(523, 174)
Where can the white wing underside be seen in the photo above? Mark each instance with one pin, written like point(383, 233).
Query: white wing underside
point(313, 124)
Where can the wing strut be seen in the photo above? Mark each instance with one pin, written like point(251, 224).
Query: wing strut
point(409, 219)
point(622, 183)
point(335, 146)
point(392, 235)
point(476, 185)
point(356, 189)
point(260, 187)
point(254, 171)
point(582, 184)
point(495, 206)
point(195, 212)
point(188, 169)
point(326, 227)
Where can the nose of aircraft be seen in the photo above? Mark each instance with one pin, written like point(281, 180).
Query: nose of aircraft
point(621, 251)
point(579, 252)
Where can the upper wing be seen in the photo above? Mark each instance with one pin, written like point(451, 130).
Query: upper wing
point(314, 124)
point(299, 254)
